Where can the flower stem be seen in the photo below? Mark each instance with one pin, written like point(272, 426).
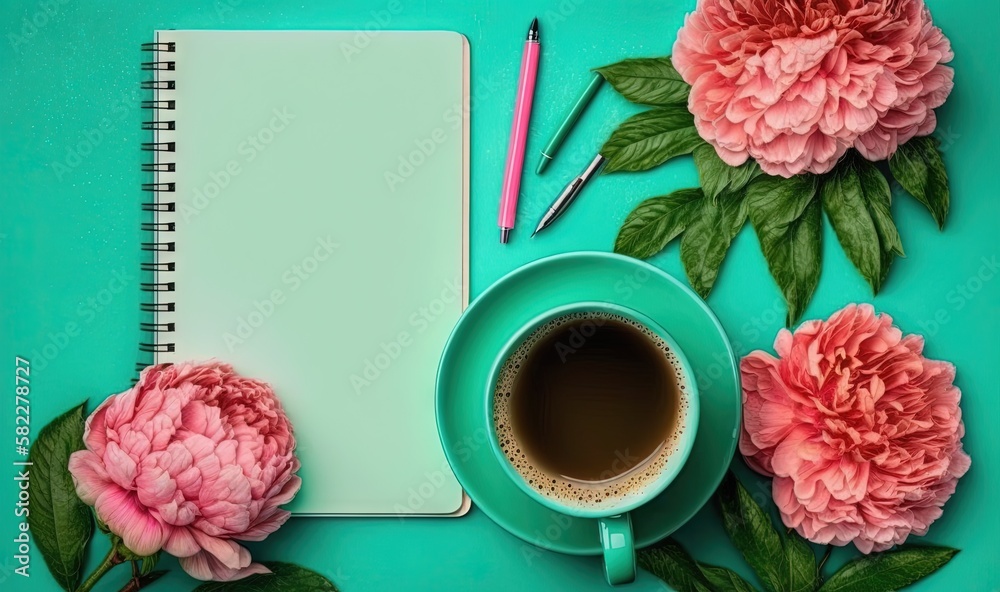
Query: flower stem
point(826, 556)
point(133, 584)
point(110, 560)
point(139, 582)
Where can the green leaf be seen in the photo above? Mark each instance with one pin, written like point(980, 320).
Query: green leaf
point(783, 564)
point(61, 524)
point(788, 221)
point(847, 207)
point(751, 531)
point(888, 571)
point(651, 138)
point(875, 188)
point(803, 571)
point(725, 580)
point(655, 222)
point(284, 577)
point(706, 240)
point(716, 176)
point(146, 562)
point(130, 555)
point(647, 81)
point(670, 562)
point(919, 168)
point(885, 263)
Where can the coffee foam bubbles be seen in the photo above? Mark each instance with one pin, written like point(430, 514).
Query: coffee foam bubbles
point(618, 489)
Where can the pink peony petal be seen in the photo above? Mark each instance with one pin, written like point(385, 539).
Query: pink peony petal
point(155, 487)
point(265, 526)
point(127, 518)
point(190, 460)
point(840, 74)
point(228, 552)
point(95, 428)
point(121, 408)
point(204, 566)
point(861, 432)
point(89, 475)
point(121, 467)
point(181, 543)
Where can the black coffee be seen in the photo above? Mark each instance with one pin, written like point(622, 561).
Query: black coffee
point(593, 399)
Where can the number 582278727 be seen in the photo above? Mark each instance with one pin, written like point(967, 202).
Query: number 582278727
point(22, 406)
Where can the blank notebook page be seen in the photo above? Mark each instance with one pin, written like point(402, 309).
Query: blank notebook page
point(321, 221)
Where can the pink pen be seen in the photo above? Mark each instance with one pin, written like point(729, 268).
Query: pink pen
point(519, 133)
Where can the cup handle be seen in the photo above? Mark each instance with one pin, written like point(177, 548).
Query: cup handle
point(619, 548)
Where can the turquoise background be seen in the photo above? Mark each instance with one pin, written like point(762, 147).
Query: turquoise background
point(66, 232)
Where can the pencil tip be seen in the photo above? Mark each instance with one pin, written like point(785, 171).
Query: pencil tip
point(533, 30)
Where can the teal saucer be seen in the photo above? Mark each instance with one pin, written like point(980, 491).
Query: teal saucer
point(555, 281)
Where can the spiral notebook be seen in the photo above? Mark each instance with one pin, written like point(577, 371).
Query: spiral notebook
point(309, 223)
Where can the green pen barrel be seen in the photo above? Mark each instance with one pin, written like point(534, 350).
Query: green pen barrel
point(567, 125)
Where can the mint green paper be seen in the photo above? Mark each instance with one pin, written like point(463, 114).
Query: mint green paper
point(319, 243)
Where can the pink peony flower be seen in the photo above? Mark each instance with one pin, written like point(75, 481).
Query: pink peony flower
point(190, 460)
point(796, 84)
point(862, 434)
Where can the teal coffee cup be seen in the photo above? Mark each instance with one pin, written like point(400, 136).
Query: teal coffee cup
point(593, 411)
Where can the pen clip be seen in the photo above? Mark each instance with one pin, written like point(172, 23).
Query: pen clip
point(574, 189)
